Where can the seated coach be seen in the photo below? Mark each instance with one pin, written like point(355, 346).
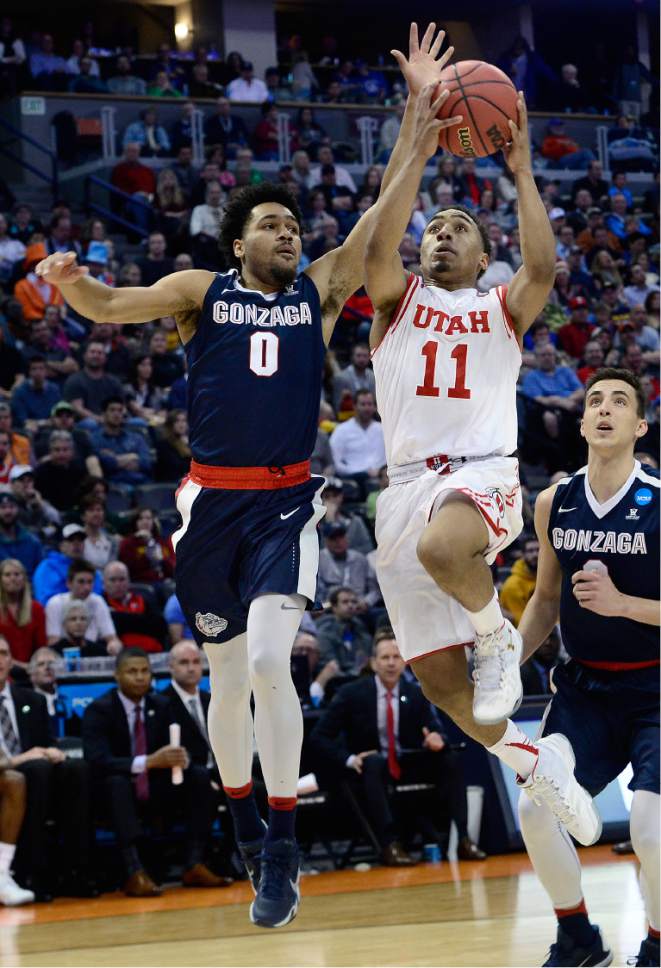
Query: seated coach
point(126, 740)
point(380, 731)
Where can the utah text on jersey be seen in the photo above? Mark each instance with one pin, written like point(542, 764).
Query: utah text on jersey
point(251, 315)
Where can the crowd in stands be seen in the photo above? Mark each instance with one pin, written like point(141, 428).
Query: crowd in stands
point(93, 425)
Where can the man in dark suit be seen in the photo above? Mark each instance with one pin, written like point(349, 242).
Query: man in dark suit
point(126, 739)
point(380, 731)
point(57, 788)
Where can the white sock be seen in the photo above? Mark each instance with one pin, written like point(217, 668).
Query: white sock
point(644, 829)
point(489, 618)
point(230, 719)
point(551, 853)
point(516, 749)
point(7, 852)
point(273, 622)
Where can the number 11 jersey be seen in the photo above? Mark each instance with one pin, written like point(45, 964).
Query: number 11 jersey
point(446, 373)
point(254, 375)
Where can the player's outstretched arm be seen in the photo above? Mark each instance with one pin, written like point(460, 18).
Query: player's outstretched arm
point(541, 613)
point(529, 289)
point(341, 272)
point(596, 592)
point(176, 294)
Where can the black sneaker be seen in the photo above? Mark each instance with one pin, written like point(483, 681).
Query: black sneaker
point(251, 854)
point(649, 953)
point(278, 896)
point(566, 952)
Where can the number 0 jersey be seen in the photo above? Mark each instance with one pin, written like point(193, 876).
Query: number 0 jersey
point(254, 375)
point(446, 373)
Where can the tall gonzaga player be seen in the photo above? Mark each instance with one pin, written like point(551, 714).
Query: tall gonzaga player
point(599, 568)
point(247, 551)
point(446, 359)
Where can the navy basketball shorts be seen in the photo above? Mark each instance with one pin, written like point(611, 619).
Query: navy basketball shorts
point(235, 545)
point(611, 719)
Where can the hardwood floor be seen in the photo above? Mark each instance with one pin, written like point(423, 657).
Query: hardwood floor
point(494, 914)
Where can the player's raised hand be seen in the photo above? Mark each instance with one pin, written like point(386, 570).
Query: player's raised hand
point(423, 65)
point(517, 152)
point(61, 269)
point(595, 591)
point(426, 123)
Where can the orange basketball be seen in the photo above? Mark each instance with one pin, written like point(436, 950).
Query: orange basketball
point(486, 99)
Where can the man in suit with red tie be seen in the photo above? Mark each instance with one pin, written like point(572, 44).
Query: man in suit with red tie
point(380, 731)
point(126, 739)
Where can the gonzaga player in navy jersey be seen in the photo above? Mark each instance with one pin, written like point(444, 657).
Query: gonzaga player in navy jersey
point(599, 567)
point(247, 551)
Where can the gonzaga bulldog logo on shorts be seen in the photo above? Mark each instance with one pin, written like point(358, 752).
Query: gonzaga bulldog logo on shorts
point(210, 624)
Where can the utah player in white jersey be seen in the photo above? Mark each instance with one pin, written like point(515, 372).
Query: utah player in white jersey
point(446, 359)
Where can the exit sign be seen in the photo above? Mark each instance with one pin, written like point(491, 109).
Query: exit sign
point(33, 105)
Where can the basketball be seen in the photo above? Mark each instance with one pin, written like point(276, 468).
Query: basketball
point(486, 98)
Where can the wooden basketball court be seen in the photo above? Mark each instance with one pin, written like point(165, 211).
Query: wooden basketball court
point(492, 913)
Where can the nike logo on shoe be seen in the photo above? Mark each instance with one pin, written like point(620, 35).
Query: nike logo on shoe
point(290, 608)
point(283, 517)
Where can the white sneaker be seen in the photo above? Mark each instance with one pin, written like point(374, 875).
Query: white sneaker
point(498, 690)
point(11, 895)
point(553, 782)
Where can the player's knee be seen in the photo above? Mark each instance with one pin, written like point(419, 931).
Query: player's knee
point(265, 666)
point(645, 839)
point(435, 555)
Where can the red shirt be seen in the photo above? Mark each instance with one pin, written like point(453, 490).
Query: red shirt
point(573, 338)
point(24, 640)
point(134, 552)
point(133, 177)
point(134, 604)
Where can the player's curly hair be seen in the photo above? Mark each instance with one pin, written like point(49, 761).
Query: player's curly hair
point(239, 210)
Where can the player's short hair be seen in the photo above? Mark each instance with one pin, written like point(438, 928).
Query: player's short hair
point(626, 376)
point(131, 652)
point(240, 208)
point(480, 226)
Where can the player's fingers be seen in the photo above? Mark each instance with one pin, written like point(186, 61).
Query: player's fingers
point(435, 104)
point(514, 128)
point(523, 110)
point(445, 58)
point(414, 44)
point(427, 37)
point(400, 58)
point(450, 122)
point(438, 43)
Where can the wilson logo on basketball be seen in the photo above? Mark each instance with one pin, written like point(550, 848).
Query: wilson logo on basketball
point(495, 137)
point(464, 135)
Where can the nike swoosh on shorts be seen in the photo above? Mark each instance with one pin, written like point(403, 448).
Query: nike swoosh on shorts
point(283, 517)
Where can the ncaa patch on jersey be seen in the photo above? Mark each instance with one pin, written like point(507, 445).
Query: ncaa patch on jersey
point(643, 497)
point(210, 624)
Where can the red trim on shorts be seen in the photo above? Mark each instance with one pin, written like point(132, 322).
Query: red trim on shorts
point(239, 793)
point(475, 498)
point(653, 933)
point(400, 308)
point(567, 912)
point(282, 803)
point(250, 478)
point(620, 666)
point(443, 648)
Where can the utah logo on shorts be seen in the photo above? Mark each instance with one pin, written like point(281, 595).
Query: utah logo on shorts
point(497, 501)
point(210, 624)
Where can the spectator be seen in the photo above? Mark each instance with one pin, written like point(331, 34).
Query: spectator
point(357, 445)
point(200, 85)
point(147, 555)
point(205, 225)
point(11, 252)
point(593, 360)
point(100, 546)
point(80, 578)
point(527, 70)
point(124, 455)
point(144, 400)
point(87, 390)
point(32, 292)
point(342, 177)
point(184, 171)
point(22, 620)
point(50, 577)
point(45, 342)
point(86, 80)
point(57, 789)
point(124, 82)
point(266, 137)
point(155, 264)
point(557, 394)
point(224, 128)
point(381, 731)
point(178, 627)
point(343, 637)
point(646, 337)
point(42, 670)
point(593, 182)
point(34, 513)
point(638, 290)
point(151, 136)
point(629, 78)
point(358, 537)
point(136, 621)
point(78, 52)
point(162, 86)
point(15, 540)
point(339, 565)
point(562, 150)
point(247, 88)
point(33, 399)
point(59, 473)
point(310, 134)
point(359, 375)
point(24, 224)
point(536, 672)
point(63, 418)
point(47, 67)
point(75, 623)
point(570, 96)
point(189, 703)
point(519, 585)
point(653, 309)
point(173, 453)
point(136, 180)
point(579, 279)
point(168, 366)
point(132, 772)
point(574, 335)
point(604, 270)
point(619, 187)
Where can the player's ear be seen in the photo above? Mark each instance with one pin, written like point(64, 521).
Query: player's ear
point(641, 429)
point(582, 427)
point(238, 248)
point(484, 262)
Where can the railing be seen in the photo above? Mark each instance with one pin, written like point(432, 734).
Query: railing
point(108, 214)
point(19, 135)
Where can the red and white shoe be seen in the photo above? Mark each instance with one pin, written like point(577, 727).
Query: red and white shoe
point(552, 782)
point(497, 676)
